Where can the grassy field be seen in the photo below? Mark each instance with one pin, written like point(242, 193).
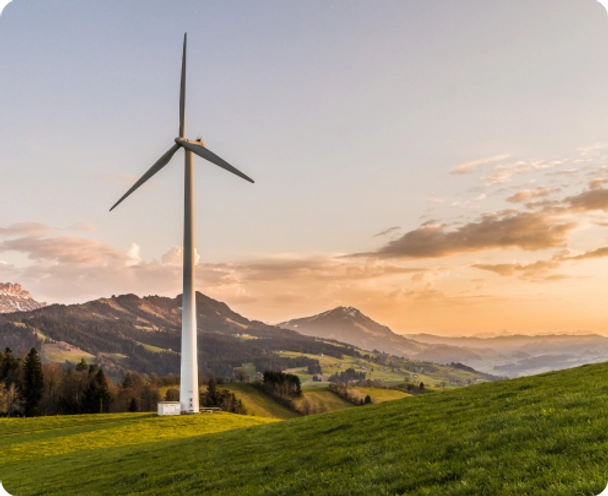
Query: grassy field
point(389, 375)
point(258, 403)
point(380, 395)
point(60, 352)
point(322, 401)
point(541, 435)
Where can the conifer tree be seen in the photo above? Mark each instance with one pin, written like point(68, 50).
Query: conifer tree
point(9, 367)
point(97, 397)
point(82, 365)
point(33, 382)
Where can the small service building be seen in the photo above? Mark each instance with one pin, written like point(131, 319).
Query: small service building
point(169, 408)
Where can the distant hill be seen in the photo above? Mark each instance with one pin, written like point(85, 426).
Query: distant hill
point(144, 334)
point(349, 325)
point(13, 298)
point(519, 355)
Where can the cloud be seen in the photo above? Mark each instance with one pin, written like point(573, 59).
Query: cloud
point(508, 229)
point(70, 269)
point(542, 270)
point(470, 167)
point(592, 199)
point(388, 231)
point(503, 173)
point(37, 229)
point(597, 182)
point(26, 228)
point(593, 149)
point(527, 194)
point(598, 253)
point(66, 250)
point(175, 256)
point(565, 172)
point(320, 269)
point(535, 272)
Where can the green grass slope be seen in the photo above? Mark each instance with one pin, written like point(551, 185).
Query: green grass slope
point(322, 400)
point(542, 435)
point(381, 395)
point(257, 402)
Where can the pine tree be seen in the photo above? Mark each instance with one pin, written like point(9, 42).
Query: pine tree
point(33, 382)
point(9, 367)
point(82, 365)
point(134, 405)
point(97, 397)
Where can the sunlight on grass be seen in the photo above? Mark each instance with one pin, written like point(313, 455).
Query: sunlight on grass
point(31, 439)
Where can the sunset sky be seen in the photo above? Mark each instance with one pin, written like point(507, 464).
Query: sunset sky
point(442, 165)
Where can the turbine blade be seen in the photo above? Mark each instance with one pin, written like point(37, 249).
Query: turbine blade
point(182, 93)
point(203, 152)
point(160, 163)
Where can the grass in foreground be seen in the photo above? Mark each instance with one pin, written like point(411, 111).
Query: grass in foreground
point(23, 440)
point(542, 435)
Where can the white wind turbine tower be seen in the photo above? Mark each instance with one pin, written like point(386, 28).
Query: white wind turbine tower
point(188, 395)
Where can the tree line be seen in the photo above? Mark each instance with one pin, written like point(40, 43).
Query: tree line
point(347, 376)
point(29, 387)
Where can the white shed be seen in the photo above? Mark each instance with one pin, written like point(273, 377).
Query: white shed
point(169, 408)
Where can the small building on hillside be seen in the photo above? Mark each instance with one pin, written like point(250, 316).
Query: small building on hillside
point(169, 408)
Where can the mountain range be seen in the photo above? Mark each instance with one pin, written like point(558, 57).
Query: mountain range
point(504, 355)
point(349, 325)
point(522, 355)
point(144, 334)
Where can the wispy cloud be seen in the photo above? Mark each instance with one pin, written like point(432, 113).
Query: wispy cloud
point(597, 253)
point(528, 194)
point(592, 150)
point(386, 232)
point(541, 270)
point(470, 167)
point(503, 173)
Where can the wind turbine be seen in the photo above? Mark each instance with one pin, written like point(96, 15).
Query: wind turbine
point(188, 395)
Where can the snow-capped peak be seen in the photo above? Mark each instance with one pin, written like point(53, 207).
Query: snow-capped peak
point(13, 298)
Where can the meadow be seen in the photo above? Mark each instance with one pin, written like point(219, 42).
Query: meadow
point(541, 435)
point(390, 375)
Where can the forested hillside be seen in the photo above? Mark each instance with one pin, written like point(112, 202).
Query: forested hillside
point(144, 334)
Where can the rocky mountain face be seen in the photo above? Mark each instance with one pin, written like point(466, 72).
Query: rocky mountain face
point(349, 325)
point(13, 298)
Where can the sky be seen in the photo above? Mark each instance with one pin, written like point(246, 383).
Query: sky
point(441, 165)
